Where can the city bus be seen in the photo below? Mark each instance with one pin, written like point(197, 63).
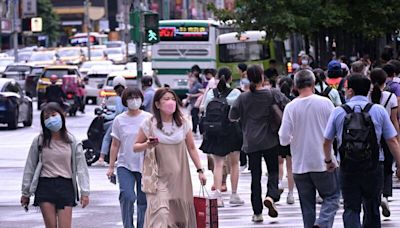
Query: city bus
point(183, 43)
point(248, 47)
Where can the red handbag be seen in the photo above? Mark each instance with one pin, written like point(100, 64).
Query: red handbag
point(206, 211)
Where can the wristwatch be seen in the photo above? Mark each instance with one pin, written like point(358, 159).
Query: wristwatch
point(328, 162)
point(201, 170)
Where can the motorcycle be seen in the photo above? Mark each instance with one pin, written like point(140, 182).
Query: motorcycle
point(95, 134)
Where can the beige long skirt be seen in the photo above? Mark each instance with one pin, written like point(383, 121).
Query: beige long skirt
point(172, 206)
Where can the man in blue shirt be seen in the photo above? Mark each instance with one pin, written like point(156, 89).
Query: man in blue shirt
point(361, 187)
point(148, 92)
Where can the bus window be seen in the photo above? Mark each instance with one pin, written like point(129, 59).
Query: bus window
point(243, 52)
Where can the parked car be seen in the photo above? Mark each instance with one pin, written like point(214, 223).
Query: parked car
point(18, 72)
point(43, 58)
point(86, 66)
point(96, 77)
point(15, 107)
point(44, 79)
point(71, 55)
point(4, 62)
point(116, 55)
point(31, 81)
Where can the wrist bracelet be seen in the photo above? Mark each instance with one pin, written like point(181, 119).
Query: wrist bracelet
point(201, 170)
point(328, 162)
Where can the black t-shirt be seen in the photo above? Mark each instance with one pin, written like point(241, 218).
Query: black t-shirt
point(54, 93)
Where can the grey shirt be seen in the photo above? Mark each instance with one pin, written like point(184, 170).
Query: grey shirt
point(254, 111)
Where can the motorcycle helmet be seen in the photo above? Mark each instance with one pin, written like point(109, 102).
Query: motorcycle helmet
point(53, 78)
point(119, 81)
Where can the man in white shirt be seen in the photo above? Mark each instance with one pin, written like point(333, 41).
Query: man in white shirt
point(303, 125)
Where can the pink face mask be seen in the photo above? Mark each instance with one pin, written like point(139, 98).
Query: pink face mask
point(169, 107)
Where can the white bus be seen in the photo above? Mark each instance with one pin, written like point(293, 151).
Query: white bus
point(183, 43)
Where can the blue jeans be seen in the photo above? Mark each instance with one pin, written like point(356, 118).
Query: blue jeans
point(326, 183)
point(105, 145)
point(362, 188)
point(127, 197)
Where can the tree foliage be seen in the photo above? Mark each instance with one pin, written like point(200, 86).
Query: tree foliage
point(51, 20)
point(370, 18)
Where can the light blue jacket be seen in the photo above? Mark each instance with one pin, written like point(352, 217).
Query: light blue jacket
point(33, 168)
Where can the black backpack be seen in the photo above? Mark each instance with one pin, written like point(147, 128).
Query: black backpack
point(325, 92)
point(359, 151)
point(216, 120)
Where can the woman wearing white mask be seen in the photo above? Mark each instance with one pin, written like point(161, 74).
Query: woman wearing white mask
point(171, 202)
point(54, 169)
point(124, 132)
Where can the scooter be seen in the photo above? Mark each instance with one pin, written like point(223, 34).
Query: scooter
point(95, 134)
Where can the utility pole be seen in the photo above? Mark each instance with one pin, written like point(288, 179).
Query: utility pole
point(87, 6)
point(139, 44)
point(127, 4)
point(15, 31)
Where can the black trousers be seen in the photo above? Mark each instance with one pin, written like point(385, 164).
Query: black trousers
point(387, 189)
point(195, 118)
point(271, 159)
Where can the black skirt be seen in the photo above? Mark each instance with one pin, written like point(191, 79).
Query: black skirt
point(284, 151)
point(58, 191)
point(222, 145)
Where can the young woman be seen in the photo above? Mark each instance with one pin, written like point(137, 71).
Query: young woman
point(54, 168)
point(169, 132)
point(124, 132)
point(285, 85)
point(224, 145)
point(254, 110)
point(195, 91)
point(389, 102)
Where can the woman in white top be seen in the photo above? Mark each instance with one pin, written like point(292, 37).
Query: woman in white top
point(321, 87)
point(171, 205)
point(389, 102)
point(226, 143)
point(124, 132)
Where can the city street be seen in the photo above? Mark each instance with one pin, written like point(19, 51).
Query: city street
point(104, 211)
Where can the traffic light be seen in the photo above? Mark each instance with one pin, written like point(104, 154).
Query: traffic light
point(134, 18)
point(151, 31)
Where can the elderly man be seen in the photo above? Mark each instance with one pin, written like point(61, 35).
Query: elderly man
point(303, 124)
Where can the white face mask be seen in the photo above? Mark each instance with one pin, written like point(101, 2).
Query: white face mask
point(304, 62)
point(134, 104)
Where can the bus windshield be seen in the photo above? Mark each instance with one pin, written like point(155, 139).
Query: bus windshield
point(243, 52)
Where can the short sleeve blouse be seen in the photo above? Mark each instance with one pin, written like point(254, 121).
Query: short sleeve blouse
point(171, 133)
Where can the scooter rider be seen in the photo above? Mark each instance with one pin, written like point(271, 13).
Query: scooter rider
point(54, 93)
point(119, 84)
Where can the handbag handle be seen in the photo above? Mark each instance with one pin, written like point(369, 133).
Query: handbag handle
point(202, 190)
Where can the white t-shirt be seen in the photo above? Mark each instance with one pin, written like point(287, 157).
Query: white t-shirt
point(392, 103)
point(303, 125)
point(125, 128)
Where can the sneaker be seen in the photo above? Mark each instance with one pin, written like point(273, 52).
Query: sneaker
point(213, 188)
point(269, 203)
point(99, 163)
point(290, 198)
point(235, 200)
point(319, 199)
point(257, 218)
point(246, 171)
point(242, 168)
point(385, 207)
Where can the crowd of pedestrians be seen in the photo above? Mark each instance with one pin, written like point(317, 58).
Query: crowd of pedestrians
point(335, 129)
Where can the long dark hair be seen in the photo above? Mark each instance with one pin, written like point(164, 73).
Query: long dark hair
point(378, 78)
point(48, 108)
point(286, 84)
point(224, 75)
point(319, 77)
point(255, 76)
point(177, 116)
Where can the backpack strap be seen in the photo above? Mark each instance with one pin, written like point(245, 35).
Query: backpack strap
point(347, 109)
point(387, 101)
point(216, 92)
point(327, 91)
point(367, 107)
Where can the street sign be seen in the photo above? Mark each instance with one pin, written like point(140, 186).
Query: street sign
point(36, 24)
point(29, 8)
